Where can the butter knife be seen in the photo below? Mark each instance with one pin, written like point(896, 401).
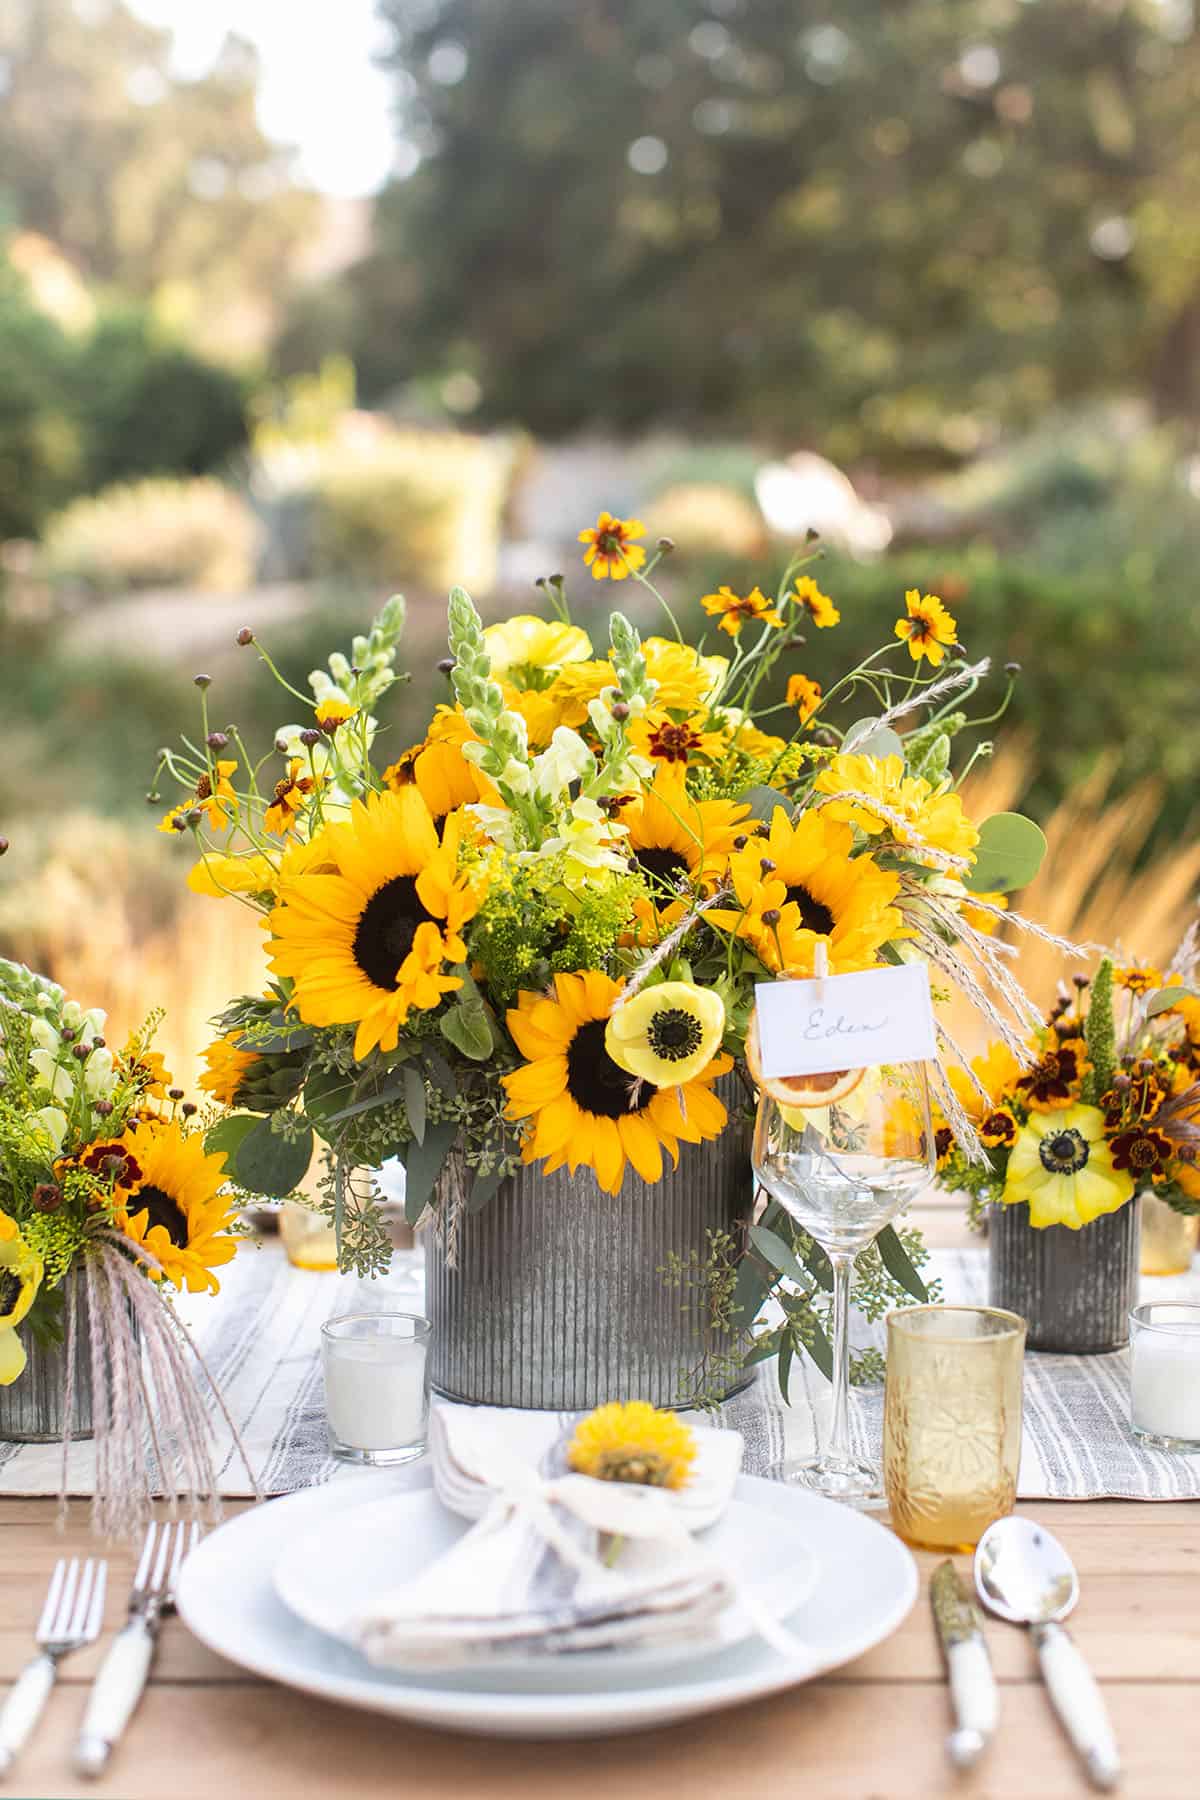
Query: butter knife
point(969, 1667)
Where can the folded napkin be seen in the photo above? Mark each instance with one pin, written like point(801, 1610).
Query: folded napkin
point(530, 1577)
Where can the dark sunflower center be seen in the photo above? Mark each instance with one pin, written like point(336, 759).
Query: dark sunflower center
point(814, 914)
point(675, 1034)
point(667, 867)
point(163, 1211)
point(1065, 1153)
point(10, 1291)
point(594, 1081)
point(386, 930)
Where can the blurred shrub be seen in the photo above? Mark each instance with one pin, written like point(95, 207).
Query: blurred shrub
point(708, 518)
point(40, 448)
point(162, 532)
point(422, 506)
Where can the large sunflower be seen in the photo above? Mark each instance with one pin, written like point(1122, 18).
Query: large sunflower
point(365, 943)
point(171, 1203)
point(799, 885)
point(581, 1107)
point(20, 1278)
point(677, 840)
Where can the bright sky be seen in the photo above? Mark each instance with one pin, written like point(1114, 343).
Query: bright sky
point(320, 90)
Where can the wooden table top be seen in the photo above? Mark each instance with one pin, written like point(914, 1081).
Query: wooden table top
point(873, 1730)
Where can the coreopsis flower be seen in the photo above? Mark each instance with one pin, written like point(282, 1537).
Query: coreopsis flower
point(1137, 980)
point(1145, 1152)
point(291, 797)
point(736, 610)
point(1062, 1166)
point(610, 550)
point(818, 606)
point(667, 1034)
point(928, 628)
point(633, 1442)
point(1054, 1080)
point(214, 796)
point(667, 739)
point(998, 1129)
point(333, 713)
point(805, 695)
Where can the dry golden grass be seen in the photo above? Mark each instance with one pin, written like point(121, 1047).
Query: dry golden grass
point(109, 917)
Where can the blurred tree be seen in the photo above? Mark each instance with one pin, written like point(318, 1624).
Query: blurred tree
point(161, 187)
point(874, 226)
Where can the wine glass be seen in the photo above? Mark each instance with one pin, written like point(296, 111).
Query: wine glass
point(843, 1169)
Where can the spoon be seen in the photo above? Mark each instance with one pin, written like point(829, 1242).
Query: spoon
point(1024, 1575)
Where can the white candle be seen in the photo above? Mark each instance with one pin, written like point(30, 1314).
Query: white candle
point(1165, 1371)
point(376, 1397)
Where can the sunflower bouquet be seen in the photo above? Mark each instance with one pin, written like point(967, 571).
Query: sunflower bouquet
point(533, 935)
point(1108, 1104)
point(109, 1201)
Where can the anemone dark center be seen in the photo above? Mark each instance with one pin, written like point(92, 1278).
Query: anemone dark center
point(814, 914)
point(1065, 1153)
point(595, 1082)
point(667, 867)
point(10, 1291)
point(163, 1211)
point(386, 929)
point(675, 1034)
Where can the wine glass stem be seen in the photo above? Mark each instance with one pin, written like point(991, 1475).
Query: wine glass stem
point(843, 1269)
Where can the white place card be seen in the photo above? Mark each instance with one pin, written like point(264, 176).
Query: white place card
point(846, 1021)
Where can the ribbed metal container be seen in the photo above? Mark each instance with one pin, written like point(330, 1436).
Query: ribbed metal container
point(31, 1407)
point(558, 1300)
point(1074, 1289)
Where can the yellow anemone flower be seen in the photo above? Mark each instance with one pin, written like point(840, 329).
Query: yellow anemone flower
point(170, 1201)
point(799, 885)
point(667, 1034)
point(610, 549)
point(735, 610)
point(345, 935)
point(20, 1278)
point(1062, 1165)
point(887, 800)
point(225, 1067)
point(818, 606)
point(525, 645)
point(686, 680)
point(580, 1107)
point(634, 1442)
point(805, 695)
point(928, 627)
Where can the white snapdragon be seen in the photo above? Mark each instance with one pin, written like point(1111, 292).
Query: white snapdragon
point(57, 1081)
point(49, 1126)
point(586, 840)
point(44, 1036)
point(566, 759)
point(99, 1074)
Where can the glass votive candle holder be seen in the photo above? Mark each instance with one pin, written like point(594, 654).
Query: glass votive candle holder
point(376, 1386)
point(952, 1422)
point(1164, 1374)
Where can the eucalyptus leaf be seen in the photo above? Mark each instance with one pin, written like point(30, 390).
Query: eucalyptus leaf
point(423, 1164)
point(819, 1266)
point(764, 1346)
point(821, 1350)
point(226, 1137)
point(1008, 855)
point(1165, 998)
point(896, 1261)
point(468, 1027)
point(326, 1092)
point(787, 1350)
point(414, 1102)
point(762, 802)
point(268, 1163)
point(869, 738)
point(381, 1097)
point(483, 1189)
point(778, 1254)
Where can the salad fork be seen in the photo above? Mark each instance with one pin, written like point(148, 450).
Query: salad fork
point(122, 1678)
point(71, 1618)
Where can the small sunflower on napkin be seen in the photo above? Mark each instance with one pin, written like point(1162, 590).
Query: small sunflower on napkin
point(633, 1441)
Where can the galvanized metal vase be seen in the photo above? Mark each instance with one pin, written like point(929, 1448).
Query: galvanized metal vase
point(1074, 1289)
point(31, 1407)
point(558, 1299)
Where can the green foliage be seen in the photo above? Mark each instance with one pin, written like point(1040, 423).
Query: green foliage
point(1009, 853)
point(40, 452)
point(1100, 1034)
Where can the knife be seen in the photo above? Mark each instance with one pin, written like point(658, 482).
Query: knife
point(972, 1685)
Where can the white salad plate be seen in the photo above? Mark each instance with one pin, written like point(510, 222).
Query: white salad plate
point(329, 1582)
point(865, 1584)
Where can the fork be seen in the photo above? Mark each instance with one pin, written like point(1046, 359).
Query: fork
point(71, 1618)
point(122, 1678)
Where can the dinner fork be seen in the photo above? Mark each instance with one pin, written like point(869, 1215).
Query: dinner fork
point(71, 1618)
point(122, 1677)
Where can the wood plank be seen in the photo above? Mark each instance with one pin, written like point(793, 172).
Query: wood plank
point(821, 1740)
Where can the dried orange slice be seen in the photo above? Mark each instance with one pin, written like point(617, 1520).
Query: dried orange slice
point(799, 1090)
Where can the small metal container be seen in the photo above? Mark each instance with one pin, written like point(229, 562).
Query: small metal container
point(31, 1407)
point(560, 1300)
point(1074, 1289)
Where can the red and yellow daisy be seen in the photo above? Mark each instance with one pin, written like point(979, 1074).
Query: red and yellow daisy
point(735, 610)
point(928, 629)
point(805, 695)
point(610, 548)
point(818, 606)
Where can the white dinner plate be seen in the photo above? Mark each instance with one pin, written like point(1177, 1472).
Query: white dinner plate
point(866, 1584)
point(331, 1580)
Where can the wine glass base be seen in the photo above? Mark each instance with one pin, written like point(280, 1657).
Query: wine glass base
point(854, 1483)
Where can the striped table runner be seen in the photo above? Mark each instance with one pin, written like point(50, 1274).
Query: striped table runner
point(260, 1340)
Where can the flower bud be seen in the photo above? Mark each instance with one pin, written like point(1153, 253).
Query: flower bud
point(188, 1108)
point(665, 546)
point(772, 916)
point(1122, 1083)
point(216, 740)
point(153, 799)
point(445, 666)
point(194, 817)
point(80, 1052)
point(3, 845)
point(310, 736)
point(619, 710)
point(739, 843)
point(202, 681)
point(104, 1107)
point(47, 1196)
point(1012, 668)
point(811, 535)
point(1081, 981)
point(1145, 1066)
point(175, 1093)
point(767, 866)
point(179, 823)
point(245, 636)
